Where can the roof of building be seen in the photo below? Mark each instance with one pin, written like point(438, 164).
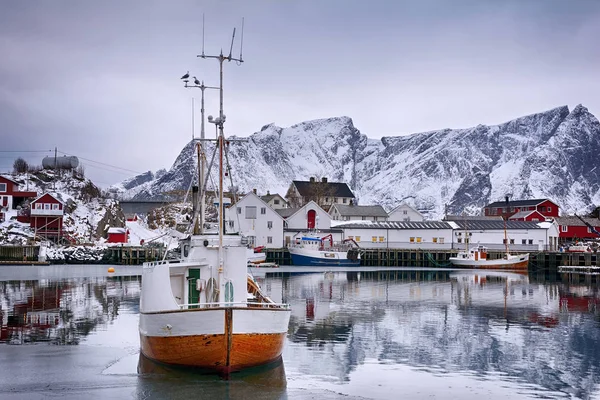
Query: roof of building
point(113, 229)
point(495, 225)
point(572, 220)
point(519, 203)
point(55, 196)
point(395, 225)
point(360, 211)
point(9, 179)
point(333, 189)
point(268, 197)
point(472, 218)
point(405, 205)
point(524, 214)
point(286, 212)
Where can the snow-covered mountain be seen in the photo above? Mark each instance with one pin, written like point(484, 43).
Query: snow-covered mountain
point(552, 154)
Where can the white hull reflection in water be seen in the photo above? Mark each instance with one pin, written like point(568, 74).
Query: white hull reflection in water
point(357, 333)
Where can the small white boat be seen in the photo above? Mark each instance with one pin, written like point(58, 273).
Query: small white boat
point(477, 258)
point(256, 255)
point(313, 250)
point(579, 247)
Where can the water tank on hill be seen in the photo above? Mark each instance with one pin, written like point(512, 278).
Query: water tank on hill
point(64, 162)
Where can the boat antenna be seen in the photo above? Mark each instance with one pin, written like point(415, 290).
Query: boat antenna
point(242, 39)
point(219, 123)
point(202, 34)
point(232, 40)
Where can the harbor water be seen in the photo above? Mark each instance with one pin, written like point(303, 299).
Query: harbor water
point(356, 333)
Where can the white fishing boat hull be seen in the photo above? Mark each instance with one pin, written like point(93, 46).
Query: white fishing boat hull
point(513, 262)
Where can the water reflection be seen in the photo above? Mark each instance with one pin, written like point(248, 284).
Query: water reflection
point(161, 381)
point(63, 312)
point(535, 334)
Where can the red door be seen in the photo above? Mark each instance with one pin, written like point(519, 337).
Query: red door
point(4, 201)
point(311, 216)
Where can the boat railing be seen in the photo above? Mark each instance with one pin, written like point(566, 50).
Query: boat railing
point(240, 304)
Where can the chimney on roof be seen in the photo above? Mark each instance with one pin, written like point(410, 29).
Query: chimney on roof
point(254, 191)
point(312, 179)
point(324, 180)
point(268, 193)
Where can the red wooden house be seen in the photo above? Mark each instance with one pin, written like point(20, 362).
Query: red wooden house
point(11, 196)
point(118, 235)
point(47, 216)
point(545, 207)
point(572, 228)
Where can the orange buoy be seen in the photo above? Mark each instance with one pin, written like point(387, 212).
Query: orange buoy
point(111, 269)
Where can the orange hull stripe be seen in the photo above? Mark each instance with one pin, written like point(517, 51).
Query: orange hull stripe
point(210, 351)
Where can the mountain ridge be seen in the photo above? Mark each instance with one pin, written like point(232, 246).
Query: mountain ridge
point(547, 154)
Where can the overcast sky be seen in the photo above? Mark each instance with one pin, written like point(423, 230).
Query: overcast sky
point(100, 79)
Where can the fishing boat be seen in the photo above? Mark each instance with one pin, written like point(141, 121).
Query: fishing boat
point(203, 309)
point(313, 250)
point(256, 255)
point(477, 257)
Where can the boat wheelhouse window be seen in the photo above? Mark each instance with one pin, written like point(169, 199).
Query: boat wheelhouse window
point(250, 212)
point(229, 292)
point(564, 228)
point(269, 239)
point(186, 250)
point(263, 210)
point(231, 224)
point(269, 224)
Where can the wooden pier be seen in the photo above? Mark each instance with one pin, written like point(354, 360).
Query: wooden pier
point(134, 255)
point(439, 258)
point(23, 255)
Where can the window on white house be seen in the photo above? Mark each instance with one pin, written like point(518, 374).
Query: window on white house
point(381, 239)
point(335, 199)
point(434, 240)
point(269, 239)
point(269, 224)
point(345, 200)
point(326, 199)
point(564, 228)
point(374, 239)
point(276, 202)
point(512, 241)
point(263, 210)
point(530, 241)
point(407, 219)
point(404, 212)
point(250, 212)
point(441, 240)
point(459, 240)
point(523, 241)
point(357, 239)
point(2, 187)
point(374, 218)
point(467, 240)
point(412, 239)
point(347, 217)
point(231, 224)
point(239, 210)
point(364, 218)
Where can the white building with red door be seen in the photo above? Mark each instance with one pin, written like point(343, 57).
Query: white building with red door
point(309, 217)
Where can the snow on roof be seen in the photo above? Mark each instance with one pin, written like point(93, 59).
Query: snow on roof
point(117, 230)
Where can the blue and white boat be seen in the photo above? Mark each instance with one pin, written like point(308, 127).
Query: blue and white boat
point(312, 250)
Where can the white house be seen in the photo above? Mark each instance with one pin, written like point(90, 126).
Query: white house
point(252, 217)
point(343, 212)
point(404, 212)
point(275, 201)
point(309, 217)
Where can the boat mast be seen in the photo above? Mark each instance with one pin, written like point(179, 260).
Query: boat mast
point(219, 122)
point(199, 219)
point(505, 217)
